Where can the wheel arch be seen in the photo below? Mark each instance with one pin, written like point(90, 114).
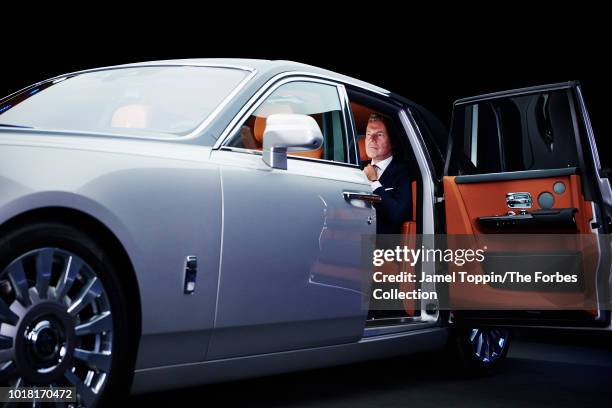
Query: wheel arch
point(104, 237)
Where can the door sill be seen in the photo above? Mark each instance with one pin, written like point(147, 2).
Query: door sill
point(397, 326)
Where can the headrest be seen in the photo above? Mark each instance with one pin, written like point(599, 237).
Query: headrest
point(259, 128)
point(362, 150)
point(262, 113)
point(132, 116)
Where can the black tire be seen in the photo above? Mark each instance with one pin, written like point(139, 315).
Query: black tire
point(24, 239)
point(466, 359)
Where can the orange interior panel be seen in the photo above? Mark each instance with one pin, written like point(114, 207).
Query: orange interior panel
point(409, 231)
point(361, 114)
point(465, 203)
point(362, 151)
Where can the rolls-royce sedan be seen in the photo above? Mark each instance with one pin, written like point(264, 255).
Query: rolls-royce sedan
point(173, 223)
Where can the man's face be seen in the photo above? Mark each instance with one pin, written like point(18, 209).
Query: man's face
point(378, 144)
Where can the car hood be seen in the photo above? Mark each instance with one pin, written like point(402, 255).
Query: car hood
point(181, 150)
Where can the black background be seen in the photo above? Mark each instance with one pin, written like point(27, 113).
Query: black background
point(430, 64)
point(432, 57)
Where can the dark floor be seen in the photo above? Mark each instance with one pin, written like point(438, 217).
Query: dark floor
point(555, 369)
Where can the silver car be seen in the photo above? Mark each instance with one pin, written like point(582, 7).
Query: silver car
point(174, 223)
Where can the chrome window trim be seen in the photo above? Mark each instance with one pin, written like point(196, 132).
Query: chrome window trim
point(603, 183)
point(344, 80)
point(514, 92)
point(427, 180)
point(191, 135)
point(240, 150)
point(271, 82)
point(260, 97)
point(259, 153)
point(343, 109)
point(350, 119)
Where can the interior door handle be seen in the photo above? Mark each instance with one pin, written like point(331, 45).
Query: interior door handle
point(371, 198)
point(518, 200)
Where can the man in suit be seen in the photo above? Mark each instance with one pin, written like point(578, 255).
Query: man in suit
point(390, 178)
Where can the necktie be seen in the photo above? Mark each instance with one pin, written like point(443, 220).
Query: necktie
point(377, 170)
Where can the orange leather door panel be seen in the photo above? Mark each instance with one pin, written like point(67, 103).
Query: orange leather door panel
point(465, 203)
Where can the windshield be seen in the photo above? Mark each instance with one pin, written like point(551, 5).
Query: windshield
point(143, 101)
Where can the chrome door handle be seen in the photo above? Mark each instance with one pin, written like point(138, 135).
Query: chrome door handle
point(371, 198)
point(518, 200)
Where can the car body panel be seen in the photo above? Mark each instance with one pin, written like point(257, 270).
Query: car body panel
point(289, 298)
point(188, 209)
point(386, 346)
point(162, 204)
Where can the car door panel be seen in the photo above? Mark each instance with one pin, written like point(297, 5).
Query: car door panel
point(467, 202)
point(483, 178)
point(472, 200)
point(290, 275)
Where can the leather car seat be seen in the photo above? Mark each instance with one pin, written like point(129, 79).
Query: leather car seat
point(362, 150)
point(136, 116)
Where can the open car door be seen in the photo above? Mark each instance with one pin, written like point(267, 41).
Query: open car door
point(523, 182)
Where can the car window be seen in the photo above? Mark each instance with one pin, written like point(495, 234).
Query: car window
point(145, 101)
point(526, 132)
point(317, 100)
point(435, 136)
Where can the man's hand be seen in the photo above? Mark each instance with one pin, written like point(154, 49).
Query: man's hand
point(370, 173)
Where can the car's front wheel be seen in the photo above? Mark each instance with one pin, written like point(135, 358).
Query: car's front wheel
point(62, 314)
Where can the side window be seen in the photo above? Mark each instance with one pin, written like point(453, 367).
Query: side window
point(435, 136)
point(320, 101)
point(481, 144)
point(526, 132)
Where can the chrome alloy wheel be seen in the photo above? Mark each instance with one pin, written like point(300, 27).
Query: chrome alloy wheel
point(488, 343)
point(56, 325)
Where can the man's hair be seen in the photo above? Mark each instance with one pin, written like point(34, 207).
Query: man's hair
point(377, 117)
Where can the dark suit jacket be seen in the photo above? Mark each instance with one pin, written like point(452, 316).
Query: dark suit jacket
point(396, 193)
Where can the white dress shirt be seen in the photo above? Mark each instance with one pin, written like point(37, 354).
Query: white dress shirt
point(381, 166)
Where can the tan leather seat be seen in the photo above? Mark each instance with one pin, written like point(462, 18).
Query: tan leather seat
point(132, 116)
point(258, 130)
point(362, 150)
point(409, 232)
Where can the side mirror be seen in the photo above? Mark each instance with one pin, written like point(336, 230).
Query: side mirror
point(289, 132)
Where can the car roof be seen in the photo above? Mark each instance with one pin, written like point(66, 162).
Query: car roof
point(265, 68)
